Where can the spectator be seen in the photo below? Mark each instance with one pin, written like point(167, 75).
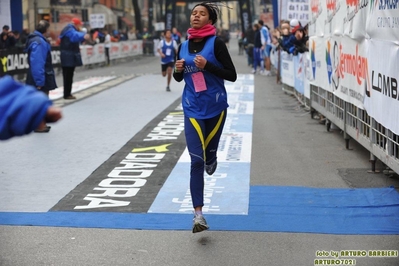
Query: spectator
point(23, 109)
point(107, 45)
point(287, 39)
point(249, 41)
point(139, 36)
point(132, 35)
point(18, 40)
point(41, 73)
point(71, 37)
point(266, 47)
point(257, 52)
point(301, 39)
point(7, 39)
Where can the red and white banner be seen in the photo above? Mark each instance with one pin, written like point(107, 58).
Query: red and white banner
point(382, 96)
point(356, 18)
point(317, 18)
point(336, 11)
point(96, 54)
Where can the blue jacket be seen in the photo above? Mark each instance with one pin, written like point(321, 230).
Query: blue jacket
point(41, 72)
point(22, 108)
point(70, 51)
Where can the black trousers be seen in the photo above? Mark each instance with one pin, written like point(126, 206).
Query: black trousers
point(107, 55)
point(67, 73)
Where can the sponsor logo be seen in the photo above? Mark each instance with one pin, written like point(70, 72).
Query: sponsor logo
point(315, 63)
point(388, 4)
point(332, 9)
point(333, 60)
point(384, 84)
point(315, 7)
point(353, 6)
point(353, 64)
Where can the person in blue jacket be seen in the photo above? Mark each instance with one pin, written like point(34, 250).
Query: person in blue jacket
point(41, 73)
point(204, 63)
point(71, 37)
point(23, 109)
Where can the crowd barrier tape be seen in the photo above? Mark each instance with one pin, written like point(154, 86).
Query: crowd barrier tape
point(15, 61)
point(350, 74)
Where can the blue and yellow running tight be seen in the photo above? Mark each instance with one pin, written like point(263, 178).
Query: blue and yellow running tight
point(202, 138)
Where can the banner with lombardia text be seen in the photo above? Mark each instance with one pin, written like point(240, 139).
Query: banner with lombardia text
point(318, 65)
point(317, 18)
point(351, 76)
point(355, 19)
point(383, 21)
point(336, 11)
point(382, 96)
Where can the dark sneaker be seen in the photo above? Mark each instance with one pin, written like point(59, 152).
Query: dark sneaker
point(167, 88)
point(210, 169)
point(199, 224)
point(70, 97)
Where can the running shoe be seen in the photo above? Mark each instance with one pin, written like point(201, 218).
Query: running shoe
point(210, 169)
point(167, 88)
point(199, 223)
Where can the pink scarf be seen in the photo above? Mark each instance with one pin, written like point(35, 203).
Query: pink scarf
point(207, 30)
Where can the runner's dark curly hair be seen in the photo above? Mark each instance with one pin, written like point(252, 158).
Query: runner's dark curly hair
point(213, 10)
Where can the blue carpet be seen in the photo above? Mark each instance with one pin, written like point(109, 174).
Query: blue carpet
point(372, 211)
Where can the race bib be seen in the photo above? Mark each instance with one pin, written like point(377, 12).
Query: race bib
point(168, 52)
point(199, 81)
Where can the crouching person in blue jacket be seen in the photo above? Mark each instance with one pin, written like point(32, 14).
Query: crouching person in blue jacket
point(41, 73)
point(23, 109)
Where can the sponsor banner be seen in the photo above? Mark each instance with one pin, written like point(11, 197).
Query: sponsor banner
point(79, 86)
point(356, 18)
point(317, 18)
point(287, 69)
point(318, 66)
point(15, 61)
point(336, 12)
point(227, 190)
point(299, 10)
point(245, 12)
point(170, 7)
point(381, 97)
point(383, 20)
point(92, 54)
point(351, 77)
point(299, 73)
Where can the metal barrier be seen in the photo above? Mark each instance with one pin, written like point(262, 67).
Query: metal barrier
point(356, 124)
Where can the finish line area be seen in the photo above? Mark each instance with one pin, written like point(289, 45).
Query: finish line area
point(158, 198)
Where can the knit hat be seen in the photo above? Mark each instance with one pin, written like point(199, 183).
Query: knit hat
point(295, 25)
